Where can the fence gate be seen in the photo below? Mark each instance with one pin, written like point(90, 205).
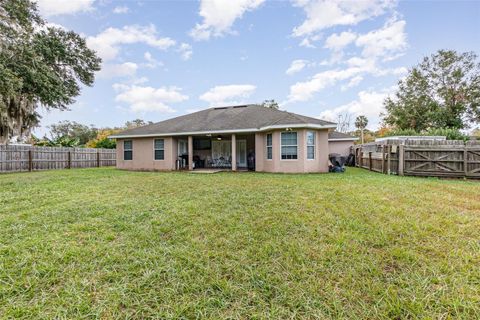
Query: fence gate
point(472, 162)
point(448, 158)
point(437, 161)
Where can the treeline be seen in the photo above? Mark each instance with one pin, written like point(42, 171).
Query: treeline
point(73, 134)
point(440, 96)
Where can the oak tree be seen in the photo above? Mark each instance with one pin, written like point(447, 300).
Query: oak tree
point(40, 66)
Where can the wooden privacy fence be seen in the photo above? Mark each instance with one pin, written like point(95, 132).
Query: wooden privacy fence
point(451, 158)
point(15, 158)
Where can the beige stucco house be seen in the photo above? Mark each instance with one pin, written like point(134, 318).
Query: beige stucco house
point(237, 137)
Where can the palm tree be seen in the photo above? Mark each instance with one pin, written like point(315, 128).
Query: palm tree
point(361, 123)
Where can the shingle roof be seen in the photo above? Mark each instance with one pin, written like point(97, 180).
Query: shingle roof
point(335, 135)
point(244, 117)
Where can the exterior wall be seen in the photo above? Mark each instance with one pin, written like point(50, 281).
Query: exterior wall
point(320, 163)
point(302, 164)
point(340, 147)
point(143, 155)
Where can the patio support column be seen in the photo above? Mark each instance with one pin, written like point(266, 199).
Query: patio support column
point(190, 153)
point(234, 152)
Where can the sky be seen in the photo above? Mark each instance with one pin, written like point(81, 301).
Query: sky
point(318, 58)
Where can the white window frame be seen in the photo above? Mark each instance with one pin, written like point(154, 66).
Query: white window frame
point(269, 146)
point(154, 149)
point(288, 145)
point(311, 145)
point(131, 149)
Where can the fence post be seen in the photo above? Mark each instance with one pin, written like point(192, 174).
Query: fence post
point(389, 154)
point(401, 159)
point(98, 158)
point(465, 161)
point(69, 163)
point(360, 157)
point(383, 158)
point(356, 156)
point(30, 160)
point(370, 161)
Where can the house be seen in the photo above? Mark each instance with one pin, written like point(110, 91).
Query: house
point(236, 137)
point(340, 143)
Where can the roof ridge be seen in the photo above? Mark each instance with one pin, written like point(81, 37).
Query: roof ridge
point(234, 106)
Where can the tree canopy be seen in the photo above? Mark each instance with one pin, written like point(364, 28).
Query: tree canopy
point(40, 66)
point(136, 123)
point(73, 134)
point(361, 122)
point(270, 104)
point(73, 130)
point(443, 91)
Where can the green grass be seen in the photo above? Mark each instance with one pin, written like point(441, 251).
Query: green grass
point(104, 243)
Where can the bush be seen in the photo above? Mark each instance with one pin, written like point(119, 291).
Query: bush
point(102, 140)
point(451, 134)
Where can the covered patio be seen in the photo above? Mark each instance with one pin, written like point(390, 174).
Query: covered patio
point(216, 151)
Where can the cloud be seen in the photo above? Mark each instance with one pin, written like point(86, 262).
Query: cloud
point(385, 42)
point(58, 7)
point(377, 46)
point(146, 99)
point(107, 43)
point(339, 41)
point(303, 91)
point(355, 81)
point(137, 81)
point(219, 16)
point(355, 72)
point(296, 66)
point(126, 69)
point(185, 50)
point(152, 63)
point(368, 103)
point(323, 14)
point(306, 43)
point(121, 10)
point(228, 94)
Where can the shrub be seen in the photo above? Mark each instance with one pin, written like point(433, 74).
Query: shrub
point(451, 134)
point(102, 140)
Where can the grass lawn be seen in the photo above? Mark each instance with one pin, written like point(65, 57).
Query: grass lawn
point(104, 243)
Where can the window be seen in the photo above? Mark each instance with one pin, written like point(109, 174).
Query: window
point(289, 145)
point(127, 150)
point(310, 145)
point(159, 149)
point(269, 146)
